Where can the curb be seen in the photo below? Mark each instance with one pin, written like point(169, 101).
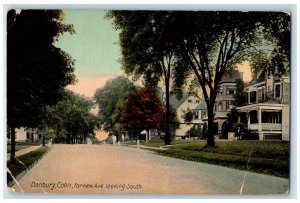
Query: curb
point(23, 173)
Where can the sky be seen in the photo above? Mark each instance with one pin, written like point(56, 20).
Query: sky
point(96, 51)
point(94, 47)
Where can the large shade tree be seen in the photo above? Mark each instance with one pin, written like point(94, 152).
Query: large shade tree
point(202, 43)
point(144, 111)
point(146, 40)
point(37, 71)
point(111, 100)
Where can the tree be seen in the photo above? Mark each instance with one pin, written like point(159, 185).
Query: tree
point(111, 100)
point(37, 71)
point(277, 29)
point(212, 43)
point(146, 43)
point(144, 111)
point(240, 96)
point(70, 119)
point(188, 116)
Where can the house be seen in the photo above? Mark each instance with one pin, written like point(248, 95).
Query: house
point(268, 111)
point(188, 102)
point(26, 135)
point(224, 99)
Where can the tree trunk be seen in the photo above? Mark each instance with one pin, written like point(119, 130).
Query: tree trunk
point(32, 136)
point(210, 136)
point(12, 145)
point(167, 127)
point(44, 141)
point(147, 135)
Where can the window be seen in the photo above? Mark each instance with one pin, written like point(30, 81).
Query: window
point(189, 101)
point(203, 114)
point(196, 114)
point(230, 92)
point(196, 126)
point(253, 117)
point(197, 101)
point(277, 90)
point(271, 117)
point(253, 97)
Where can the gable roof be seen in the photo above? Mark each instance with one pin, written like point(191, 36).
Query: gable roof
point(175, 103)
point(201, 105)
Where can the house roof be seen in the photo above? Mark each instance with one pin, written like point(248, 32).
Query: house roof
point(218, 115)
point(231, 76)
point(201, 105)
point(175, 103)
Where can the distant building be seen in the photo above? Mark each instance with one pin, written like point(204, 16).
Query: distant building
point(268, 109)
point(25, 135)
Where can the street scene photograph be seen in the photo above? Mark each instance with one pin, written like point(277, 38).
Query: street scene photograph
point(148, 102)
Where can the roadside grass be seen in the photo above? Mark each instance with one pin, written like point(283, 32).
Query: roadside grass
point(22, 145)
point(266, 157)
point(27, 159)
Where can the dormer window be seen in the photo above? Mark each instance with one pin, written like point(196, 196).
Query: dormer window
point(189, 101)
point(253, 97)
point(277, 90)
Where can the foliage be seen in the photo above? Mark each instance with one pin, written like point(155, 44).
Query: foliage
point(240, 96)
point(204, 44)
point(193, 132)
point(259, 64)
point(111, 100)
point(277, 29)
point(144, 110)
point(188, 116)
point(69, 118)
point(229, 124)
point(174, 123)
point(37, 71)
point(146, 43)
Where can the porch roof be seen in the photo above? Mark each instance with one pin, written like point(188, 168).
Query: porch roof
point(264, 107)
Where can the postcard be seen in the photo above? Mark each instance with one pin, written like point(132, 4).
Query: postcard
point(150, 102)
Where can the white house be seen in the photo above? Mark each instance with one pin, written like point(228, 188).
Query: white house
point(268, 109)
point(24, 135)
point(188, 102)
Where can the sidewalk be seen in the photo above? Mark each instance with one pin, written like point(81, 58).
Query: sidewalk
point(24, 151)
point(161, 148)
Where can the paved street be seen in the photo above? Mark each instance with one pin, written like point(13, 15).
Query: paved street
point(106, 169)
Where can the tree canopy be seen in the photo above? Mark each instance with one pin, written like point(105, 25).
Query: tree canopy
point(70, 118)
point(111, 100)
point(204, 44)
point(37, 71)
point(144, 110)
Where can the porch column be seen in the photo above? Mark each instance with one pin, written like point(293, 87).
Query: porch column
point(260, 134)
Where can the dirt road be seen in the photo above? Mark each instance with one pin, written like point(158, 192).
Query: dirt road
point(106, 169)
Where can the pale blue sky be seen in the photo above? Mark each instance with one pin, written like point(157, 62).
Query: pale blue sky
point(94, 45)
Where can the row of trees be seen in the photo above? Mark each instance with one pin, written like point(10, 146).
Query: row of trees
point(125, 107)
point(37, 74)
point(70, 120)
point(204, 45)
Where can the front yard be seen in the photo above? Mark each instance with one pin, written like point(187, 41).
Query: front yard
point(267, 157)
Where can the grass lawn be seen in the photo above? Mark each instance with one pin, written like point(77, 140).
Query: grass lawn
point(267, 157)
point(27, 159)
point(22, 145)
